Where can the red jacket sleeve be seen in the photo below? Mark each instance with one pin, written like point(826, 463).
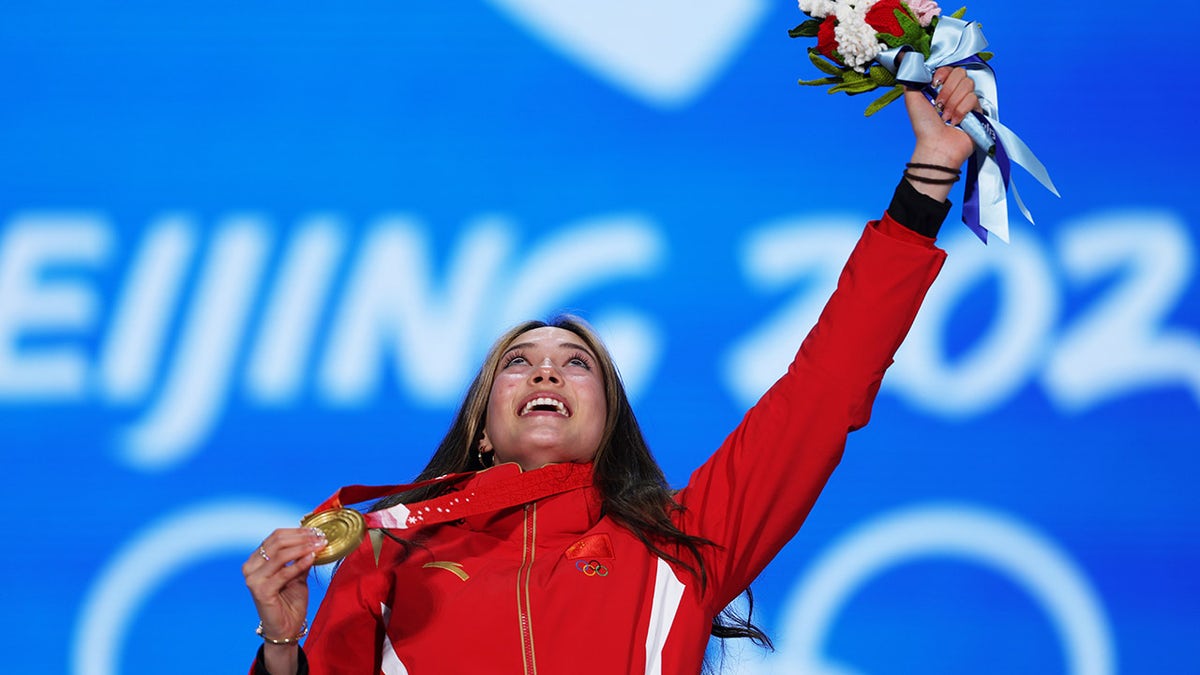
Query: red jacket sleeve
point(752, 495)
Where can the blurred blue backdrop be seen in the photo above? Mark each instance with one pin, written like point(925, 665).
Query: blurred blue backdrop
point(253, 251)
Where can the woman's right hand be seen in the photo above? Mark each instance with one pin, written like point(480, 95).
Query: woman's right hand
point(277, 576)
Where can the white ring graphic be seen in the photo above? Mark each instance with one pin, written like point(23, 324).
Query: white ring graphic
point(991, 539)
point(150, 560)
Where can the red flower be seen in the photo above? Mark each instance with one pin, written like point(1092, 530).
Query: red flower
point(826, 43)
point(882, 17)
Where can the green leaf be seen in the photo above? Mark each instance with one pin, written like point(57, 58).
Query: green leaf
point(852, 75)
point(821, 82)
point(925, 44)
point(881, 76)
point(912, 29)
point(892, 41)
point(962, 11)
point(883, 101)
point(807, 29)
point(853, 88)
point(986, 56)
point(824, 65)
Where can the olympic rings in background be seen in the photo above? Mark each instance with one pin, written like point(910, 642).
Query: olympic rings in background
point(592, 568)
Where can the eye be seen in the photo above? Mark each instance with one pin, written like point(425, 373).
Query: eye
point(517, 358)
point(580, 359)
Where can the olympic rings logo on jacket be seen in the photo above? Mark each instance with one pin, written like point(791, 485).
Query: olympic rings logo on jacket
point(591, 568)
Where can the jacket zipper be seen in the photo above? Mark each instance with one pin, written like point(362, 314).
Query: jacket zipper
point(523, 576)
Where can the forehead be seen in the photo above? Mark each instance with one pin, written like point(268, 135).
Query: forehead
point(549, 337)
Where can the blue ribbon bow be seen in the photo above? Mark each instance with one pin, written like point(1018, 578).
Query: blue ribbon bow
point(989, 171)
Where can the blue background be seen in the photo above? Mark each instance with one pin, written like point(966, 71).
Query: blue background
point(1051, 391)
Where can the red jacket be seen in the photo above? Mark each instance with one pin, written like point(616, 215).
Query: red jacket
point(553, 587)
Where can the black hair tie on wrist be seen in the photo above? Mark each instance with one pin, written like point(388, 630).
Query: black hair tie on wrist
point(932, 181)
point(934, 167)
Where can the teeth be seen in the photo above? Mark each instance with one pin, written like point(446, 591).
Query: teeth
point(546, 401)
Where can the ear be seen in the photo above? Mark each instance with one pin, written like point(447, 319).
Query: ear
point(485, 445)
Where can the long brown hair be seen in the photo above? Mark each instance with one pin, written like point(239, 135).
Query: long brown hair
point(633, 490)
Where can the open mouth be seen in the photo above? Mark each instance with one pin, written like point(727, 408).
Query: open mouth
point(545, 404)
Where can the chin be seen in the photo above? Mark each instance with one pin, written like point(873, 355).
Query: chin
point(537, 459)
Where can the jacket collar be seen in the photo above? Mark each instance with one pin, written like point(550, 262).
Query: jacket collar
point(565, 515)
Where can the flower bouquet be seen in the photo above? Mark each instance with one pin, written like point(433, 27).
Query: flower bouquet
point(865, 45)
point(850, 36)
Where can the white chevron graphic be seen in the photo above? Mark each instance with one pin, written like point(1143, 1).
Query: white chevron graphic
point(664, 52)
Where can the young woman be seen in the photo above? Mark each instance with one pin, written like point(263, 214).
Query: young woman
point(582, 559)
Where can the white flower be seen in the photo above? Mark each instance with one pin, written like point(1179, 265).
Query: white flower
point(924, 10)
point(818, 9)
point(855, 37)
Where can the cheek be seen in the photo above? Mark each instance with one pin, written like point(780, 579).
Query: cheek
point(597, 401)
point(498, 398)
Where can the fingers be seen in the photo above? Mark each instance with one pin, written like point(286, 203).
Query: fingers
point(956, 96)
point(285, 555)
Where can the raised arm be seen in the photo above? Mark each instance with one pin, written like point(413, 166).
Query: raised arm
point(751, 497)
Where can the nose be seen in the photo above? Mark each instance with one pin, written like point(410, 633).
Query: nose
point(546, 372)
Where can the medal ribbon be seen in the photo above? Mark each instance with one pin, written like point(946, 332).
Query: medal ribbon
point(495, 495)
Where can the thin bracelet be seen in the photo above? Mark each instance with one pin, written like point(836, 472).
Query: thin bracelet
point(932, 181)
point(934, 167)
point(282, 641)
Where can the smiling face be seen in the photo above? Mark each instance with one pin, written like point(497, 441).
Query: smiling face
point(547, 401)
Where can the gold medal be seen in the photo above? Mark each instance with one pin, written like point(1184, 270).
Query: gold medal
point(343, 528)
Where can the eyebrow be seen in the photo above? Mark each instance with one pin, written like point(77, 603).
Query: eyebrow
point(561, 345)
